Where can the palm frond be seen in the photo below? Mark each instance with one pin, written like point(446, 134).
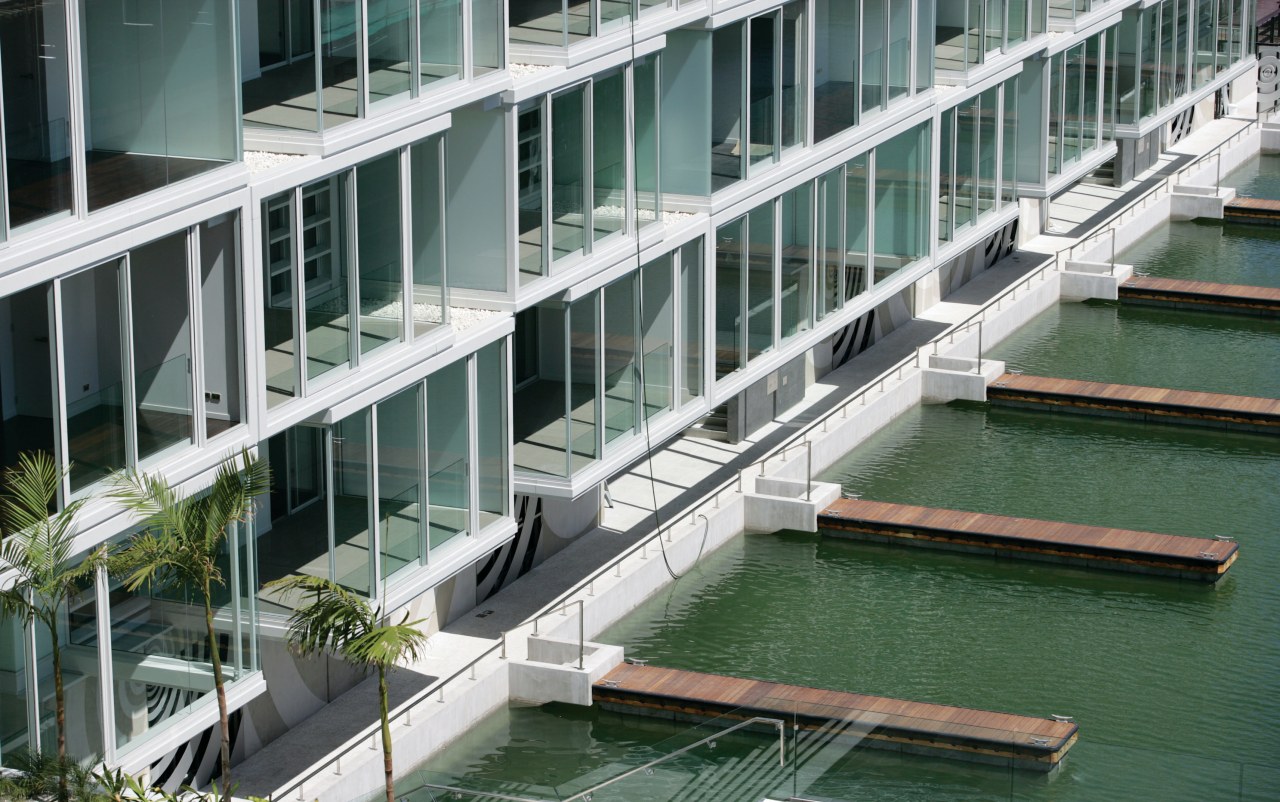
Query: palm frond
point(387, 645)
point(150, 559)
point(333, 617)
point(230, 499)
point(31, 488)
point(151, 500)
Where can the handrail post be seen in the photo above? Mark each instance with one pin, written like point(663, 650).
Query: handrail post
point(979, 347)
point(808, 471)
point(582, 614)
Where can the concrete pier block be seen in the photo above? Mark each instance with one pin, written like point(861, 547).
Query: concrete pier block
point(1082, 281)
point(779, 504)
point(551, 673)
point(1271, 137)
point(1189, 202)
point(954, 378)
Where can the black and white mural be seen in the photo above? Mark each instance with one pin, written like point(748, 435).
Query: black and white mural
point(964, 268)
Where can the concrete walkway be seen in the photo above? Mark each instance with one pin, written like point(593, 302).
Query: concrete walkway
point(677, 474)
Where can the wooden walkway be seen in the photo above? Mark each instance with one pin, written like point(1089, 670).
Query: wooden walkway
point(1259, 211)
point(1143, 403)
point(1239, 298)
point(1073, 544)
point(878, 722)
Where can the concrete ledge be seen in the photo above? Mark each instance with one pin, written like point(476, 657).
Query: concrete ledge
point(790, 510)
point(1083, 281)
point(958, 379)
point(1190, 202)
point(1270, 137)
point(551, 673)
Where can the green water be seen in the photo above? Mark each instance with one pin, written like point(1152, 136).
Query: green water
point(1145, 345)
point(1213, 251)
point(1176, 685)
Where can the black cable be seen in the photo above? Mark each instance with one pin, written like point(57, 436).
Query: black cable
point(639, 372)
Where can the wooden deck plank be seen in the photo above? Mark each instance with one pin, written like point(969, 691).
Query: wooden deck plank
point(1184, 292)
point(1041, 742)
point(1109, 547)
point(1253, 412)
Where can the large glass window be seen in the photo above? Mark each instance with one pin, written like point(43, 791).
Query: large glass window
point(93, 374)
point(795, 302)
point(759, 280)
point(491, 433)
point(620, 369)
point(351, 502)
point(835, 106)
point(279, 306)
point(830, 236)
point(608, 144)
point(691, 316)
point(15, 738)
point(647, 89)
point(439, 40)
point(657, 335)
point(221, 323)
point(762, 109)
point(27, 407)
point(161, 345)
point(401, 442)
point(391, 31)
point(35, 68)
point(378, 241)
point(426, 181)
point(902, 201)
point(728, 141)
point(857, 225)
point(584, 382)
point(326, 265)
point(730, 303)
point(530, 186)
point(488, 36)
point(541, 428)
point(568, 172)
point(874, 31)
point(448, 455)
point(81, 676)
point(159, 93)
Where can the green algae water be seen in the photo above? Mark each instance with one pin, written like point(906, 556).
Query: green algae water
point(1175, 684)
point(1213, 251)
point(1145, 345)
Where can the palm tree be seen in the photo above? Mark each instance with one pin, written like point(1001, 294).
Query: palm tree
point(40, 548)
point(180, 546)
point(342, 622)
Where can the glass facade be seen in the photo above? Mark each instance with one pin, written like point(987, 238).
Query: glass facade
point(978, 159)
point(575, 185)
point(136, 340)
point(337, 244)
point(591, 372)
point(562, 23)
point(160, 85)
point(1079, 112)
point(1167, 49)
point(35, 69)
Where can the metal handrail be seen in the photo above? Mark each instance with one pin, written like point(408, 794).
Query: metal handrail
point(779, 725)
point(1107, 227)
point(564, 609)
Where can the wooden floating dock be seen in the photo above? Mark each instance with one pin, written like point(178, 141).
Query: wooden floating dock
point(875, 721)
point(1257, 211)
point(1201, 295)
point(1246, 413)
point(1073, 544)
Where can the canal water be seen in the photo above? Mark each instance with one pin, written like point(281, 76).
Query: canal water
point(1175, 685)
point(1214, 251)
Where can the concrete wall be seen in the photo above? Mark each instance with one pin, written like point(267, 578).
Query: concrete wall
point(766, 399)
